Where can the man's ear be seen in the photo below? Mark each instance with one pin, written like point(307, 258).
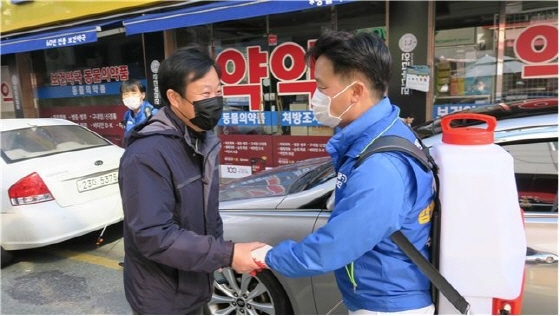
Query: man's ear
point(172, 96)
point(357, 91)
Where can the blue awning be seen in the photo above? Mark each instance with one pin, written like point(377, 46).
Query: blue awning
point(218, 11)
point(50, 39)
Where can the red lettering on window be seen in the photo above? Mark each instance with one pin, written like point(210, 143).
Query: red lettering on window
point(252, 90)
point(54, 79)
point(123, 72)
point(96, 73)
point(77, 76)
point(62, 78)
point(296, 66)
point(540, 71)
point(88, 76)
point(233, 66)
point(70, 77)
point(538, 59)
point(258, 67)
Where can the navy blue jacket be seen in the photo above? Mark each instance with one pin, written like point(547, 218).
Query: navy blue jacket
point(387, 192)
point(169, 182)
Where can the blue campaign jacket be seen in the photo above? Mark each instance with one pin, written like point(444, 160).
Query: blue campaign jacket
point(388, 192)
point(131, 120)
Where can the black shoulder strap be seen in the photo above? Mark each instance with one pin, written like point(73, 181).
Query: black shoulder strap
point(396, 143)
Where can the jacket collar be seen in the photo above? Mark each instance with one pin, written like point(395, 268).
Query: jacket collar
point(351, 140)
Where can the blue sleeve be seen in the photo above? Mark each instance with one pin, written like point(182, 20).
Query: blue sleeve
point(368, 211)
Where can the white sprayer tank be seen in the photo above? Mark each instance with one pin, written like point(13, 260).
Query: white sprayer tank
point(483, 245)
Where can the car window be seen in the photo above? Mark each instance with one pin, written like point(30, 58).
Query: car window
point(536, 174)
point(34, 142)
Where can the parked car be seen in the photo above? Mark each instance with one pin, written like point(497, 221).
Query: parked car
point(291, 201)
point(59, 181)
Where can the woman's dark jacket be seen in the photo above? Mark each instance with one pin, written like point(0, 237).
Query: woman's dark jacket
point(169, 182)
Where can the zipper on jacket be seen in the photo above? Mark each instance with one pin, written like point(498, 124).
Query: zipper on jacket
point(350, 273)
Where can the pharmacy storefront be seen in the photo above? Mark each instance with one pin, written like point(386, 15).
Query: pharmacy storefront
point(448, 56)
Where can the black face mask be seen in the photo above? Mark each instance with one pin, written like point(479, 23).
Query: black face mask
point(207, 112)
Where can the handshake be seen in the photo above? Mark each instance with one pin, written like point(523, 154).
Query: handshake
point(249, 257)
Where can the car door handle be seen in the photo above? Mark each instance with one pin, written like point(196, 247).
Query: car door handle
point(535, 256)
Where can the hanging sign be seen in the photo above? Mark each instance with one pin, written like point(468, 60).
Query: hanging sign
point(418, 77)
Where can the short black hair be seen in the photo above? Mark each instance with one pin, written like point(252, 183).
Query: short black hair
point(185, 65)
point(131, 86)
point(355, 52)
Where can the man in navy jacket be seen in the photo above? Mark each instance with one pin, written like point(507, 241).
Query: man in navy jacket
point(169, 180)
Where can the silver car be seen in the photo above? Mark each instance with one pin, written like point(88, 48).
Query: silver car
point(289, 202)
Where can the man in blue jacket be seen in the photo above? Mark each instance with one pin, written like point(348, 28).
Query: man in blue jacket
point(168, 178)
point(388, 192)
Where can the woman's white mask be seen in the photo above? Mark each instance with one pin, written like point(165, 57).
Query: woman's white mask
point(132, 103)
point(322, 107)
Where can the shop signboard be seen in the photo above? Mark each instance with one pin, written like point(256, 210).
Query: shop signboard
point(153, 55)
point(444, 109)
point(268, 118)
point(242, 155)
point(7, 100)
point(541, 62)
point(85, 82)
point(290, 149)
point(102, 119)
point(408, 25)
point(242, 76)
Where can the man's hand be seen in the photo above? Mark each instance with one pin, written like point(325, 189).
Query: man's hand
point(242, 260)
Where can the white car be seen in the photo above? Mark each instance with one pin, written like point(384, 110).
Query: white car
point(59, 181)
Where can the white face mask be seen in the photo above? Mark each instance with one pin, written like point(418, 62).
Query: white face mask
point(322, 107)
point(132, 103)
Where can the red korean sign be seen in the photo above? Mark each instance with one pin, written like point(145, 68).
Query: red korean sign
point(265, 151)
point(247, 150)
point(290, 149)
point(541, 62)
point(101, 119)
point(297, 79)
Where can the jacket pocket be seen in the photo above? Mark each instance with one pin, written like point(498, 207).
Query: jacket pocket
point(194, 285)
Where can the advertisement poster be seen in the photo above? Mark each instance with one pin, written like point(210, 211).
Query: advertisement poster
point(243, 155)
point(418, 78)
point(101, 119)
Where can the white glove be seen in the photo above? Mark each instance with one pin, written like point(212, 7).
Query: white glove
point(259, 254)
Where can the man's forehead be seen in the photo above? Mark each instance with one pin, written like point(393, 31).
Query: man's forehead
point(324, 69)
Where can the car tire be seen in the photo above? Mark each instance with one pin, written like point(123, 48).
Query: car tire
point(262, 294)
point(6, 257)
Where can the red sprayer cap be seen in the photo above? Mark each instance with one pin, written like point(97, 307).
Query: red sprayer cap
point(468, 135)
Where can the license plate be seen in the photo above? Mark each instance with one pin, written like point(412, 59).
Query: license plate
point(97, 182)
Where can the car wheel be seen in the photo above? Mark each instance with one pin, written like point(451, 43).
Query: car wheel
point(244, 294)
point(6, 257)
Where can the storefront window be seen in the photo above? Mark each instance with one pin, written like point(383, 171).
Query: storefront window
point(531, 50)
point(467, 69)
point(82, 83)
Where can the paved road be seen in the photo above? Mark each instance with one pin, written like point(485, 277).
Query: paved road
point(73, 277)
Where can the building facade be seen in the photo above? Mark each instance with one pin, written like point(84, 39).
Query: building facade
point(448, 56)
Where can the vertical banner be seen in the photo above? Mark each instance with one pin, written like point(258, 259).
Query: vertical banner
point(154, 54)
point(15, 85)
point(408, 38)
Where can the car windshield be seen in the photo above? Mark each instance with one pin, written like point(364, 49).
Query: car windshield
point(39, 141)
point(500, 111)
point(278, 181)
